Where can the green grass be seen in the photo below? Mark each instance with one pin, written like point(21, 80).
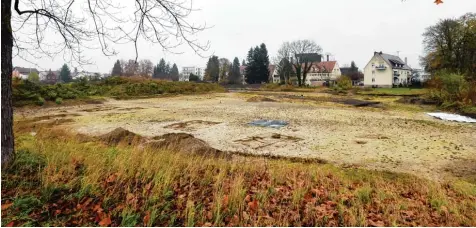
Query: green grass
point(394, 91)
point(130, 184)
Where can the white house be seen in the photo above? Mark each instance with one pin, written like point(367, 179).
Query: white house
point(22, 72)
point(186, 71)
point(385, 70)
point(273, 74)
point(323, 71)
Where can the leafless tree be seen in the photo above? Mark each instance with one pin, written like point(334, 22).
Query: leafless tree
point(224, 68)
point(39, 28)
point(131, 68)
point(146, 67)
point(282, 62)
point(304, 53)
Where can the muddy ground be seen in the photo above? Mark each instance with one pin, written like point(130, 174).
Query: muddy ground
point(386, 136)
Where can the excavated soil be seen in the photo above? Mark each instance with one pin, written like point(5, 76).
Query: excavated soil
point(260, 99)
point(121, 136)
point(396, 136)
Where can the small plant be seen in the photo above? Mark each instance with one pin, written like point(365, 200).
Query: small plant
point(40, 101)
point(364, 194)
point(59, 100)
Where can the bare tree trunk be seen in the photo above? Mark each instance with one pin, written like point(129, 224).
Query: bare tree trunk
point(7, 109)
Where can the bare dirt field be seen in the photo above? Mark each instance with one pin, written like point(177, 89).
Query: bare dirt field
point(386, 136)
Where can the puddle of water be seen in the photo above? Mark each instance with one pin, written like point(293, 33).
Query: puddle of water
point(269, 123)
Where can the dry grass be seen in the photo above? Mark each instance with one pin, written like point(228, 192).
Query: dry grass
point(57, 180)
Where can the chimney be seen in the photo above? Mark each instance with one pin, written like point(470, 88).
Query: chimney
point(327, 58)
point(406, 61)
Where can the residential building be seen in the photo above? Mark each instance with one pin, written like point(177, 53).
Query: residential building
point(52, 77)
point(243, 73)
point(85, 74)
point(384, 70)
point(186, 71)
point(273, 74)
point(321, 72)
point(420, 75)
point(23, 72)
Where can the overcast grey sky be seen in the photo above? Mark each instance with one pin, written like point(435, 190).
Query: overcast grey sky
point(348, 29)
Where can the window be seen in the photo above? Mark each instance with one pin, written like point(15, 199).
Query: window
point(373, 79)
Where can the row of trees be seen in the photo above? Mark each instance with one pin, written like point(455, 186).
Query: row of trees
point(451, 45)
point(222, 70)
point(146, 68)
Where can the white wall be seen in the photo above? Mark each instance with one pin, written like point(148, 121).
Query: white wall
point(383, 78)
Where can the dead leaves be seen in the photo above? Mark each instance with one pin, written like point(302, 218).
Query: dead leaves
point(146, 218)
point(376, 223)
point(6, 206)
point(105, 221)
point(253, 205)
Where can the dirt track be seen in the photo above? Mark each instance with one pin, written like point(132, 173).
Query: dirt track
point(403, 140)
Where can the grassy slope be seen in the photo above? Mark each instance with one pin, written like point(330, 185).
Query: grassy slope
point(58, 180)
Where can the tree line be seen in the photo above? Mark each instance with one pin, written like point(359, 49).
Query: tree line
point(256, 68)
point(146, 68)
point(223, 71)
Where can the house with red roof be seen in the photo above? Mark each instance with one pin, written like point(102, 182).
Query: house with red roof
point(321, 72)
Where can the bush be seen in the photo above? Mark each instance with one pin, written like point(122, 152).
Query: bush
point(59, 100)
point(344, 83)
point(40, 101)
point(452, 88)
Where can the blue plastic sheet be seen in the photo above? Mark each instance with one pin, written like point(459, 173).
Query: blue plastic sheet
point(269, 123)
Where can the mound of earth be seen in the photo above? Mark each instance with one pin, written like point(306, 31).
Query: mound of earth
point(121, 136)
point(260, 99)
point(182, 142)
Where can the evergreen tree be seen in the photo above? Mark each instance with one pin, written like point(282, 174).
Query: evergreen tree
point(65, 74)
point(174, 73)
point(116, 70)
point(250, 67)
point(161, 69)
point(235, 76)
point(353, 67)
point(212, 72)
point(263, 66)
point(167, 70)
point(154, 72)
point(243, 63)
point(257, 70)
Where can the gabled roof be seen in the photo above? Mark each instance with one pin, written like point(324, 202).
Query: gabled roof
point(311, 57)
point(394, 61)
point(24, 70)
point(271, 68)
point(323, 67)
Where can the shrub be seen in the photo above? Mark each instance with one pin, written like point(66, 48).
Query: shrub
point(344, 83)
point(452, 88)
point(40, 101)
point(59, 100)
